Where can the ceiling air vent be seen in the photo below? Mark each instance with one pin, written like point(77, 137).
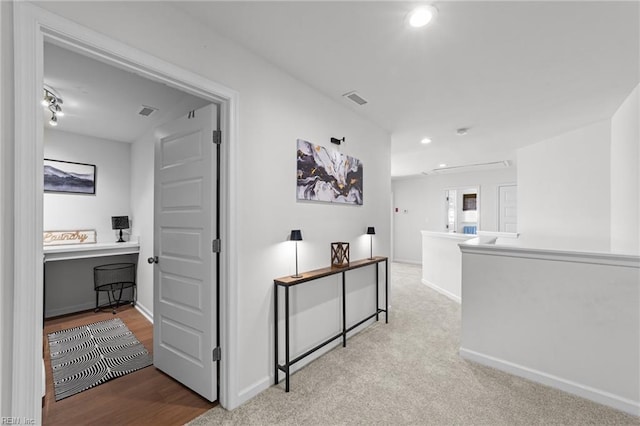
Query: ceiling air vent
point(147, 110)
point(354, 97)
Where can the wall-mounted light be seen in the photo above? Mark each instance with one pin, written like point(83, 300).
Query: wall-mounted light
point(337, 141)
point(296, 235)
point(52, 100)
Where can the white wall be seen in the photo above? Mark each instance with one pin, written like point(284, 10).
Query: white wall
point(275, 110)
point(112, 159)
point(567, 320)
point(625, 177)
point(142, 207)
point(564, 189)
point(6, 200)
point(423, 199)
point(442, 262)
point(410, 198)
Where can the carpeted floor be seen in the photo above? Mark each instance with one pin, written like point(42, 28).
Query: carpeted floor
point(409, 372)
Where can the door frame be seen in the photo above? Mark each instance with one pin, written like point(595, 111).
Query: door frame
point(32, 26)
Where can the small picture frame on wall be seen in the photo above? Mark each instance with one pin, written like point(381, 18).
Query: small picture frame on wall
point(469, 202)
point(69, 177)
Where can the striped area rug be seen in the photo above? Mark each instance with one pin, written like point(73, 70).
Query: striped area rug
point(87, 356)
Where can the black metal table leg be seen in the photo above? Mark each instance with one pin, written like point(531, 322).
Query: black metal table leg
point(344, 312)
point(286, 337)
point(377, 265)
point(44, 289)
point(386, 291)
point(275, 332)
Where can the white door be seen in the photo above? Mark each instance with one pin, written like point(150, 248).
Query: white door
point(184, 300)
point(508, 208)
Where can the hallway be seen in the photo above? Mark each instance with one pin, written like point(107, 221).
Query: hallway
point(409, 372)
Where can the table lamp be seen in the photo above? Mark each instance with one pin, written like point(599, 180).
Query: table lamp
point(296, 235)
point(371, 231)
point(120, 222)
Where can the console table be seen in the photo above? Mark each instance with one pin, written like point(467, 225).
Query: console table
point(289, 281)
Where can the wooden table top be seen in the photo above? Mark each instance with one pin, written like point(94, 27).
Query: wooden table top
point(325, 272)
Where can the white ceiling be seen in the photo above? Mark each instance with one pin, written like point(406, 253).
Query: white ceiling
point(103, 101)
point(513, 72)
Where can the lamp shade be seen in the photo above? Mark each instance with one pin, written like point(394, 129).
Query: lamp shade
point(119, 222)
point(371, 230)
point(296, 235)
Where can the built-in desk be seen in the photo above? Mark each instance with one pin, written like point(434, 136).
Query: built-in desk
point(68, 273)
point(288, 282)
point(84, 251)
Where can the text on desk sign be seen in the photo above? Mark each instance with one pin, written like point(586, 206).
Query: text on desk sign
point(56, 238)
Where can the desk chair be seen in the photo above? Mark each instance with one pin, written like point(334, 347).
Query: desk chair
point(113, 279)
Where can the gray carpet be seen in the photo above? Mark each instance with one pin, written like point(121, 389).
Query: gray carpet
point(409, 372)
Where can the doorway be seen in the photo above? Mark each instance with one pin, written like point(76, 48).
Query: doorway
point(508, 208)
point(34, 26)
point(102, 125)
point(462, 207)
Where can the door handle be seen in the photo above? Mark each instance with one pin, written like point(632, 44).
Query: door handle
point(153, 259)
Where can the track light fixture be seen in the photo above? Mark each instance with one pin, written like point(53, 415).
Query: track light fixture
point(52, 100)
point(59, 111)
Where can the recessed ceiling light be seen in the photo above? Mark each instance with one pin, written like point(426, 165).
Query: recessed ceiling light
point(425, 141)
point(442, 165)
point(422, 15)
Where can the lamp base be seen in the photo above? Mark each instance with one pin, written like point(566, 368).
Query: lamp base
point(296, 276)
point(120, 240)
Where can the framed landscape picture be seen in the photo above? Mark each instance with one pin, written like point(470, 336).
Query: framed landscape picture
point(327, 175)
point(66, 176)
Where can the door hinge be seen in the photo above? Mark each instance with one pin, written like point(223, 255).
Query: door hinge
point(216, 245)
point(217, 353)
point(217, 137)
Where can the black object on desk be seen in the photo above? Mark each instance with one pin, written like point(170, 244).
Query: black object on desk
point(287, 282)
point(120, 222)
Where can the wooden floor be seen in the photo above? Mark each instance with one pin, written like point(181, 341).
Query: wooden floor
point(146, 396)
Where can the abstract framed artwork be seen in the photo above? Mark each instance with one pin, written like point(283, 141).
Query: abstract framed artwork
point(66, 176)
point(328, 176)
